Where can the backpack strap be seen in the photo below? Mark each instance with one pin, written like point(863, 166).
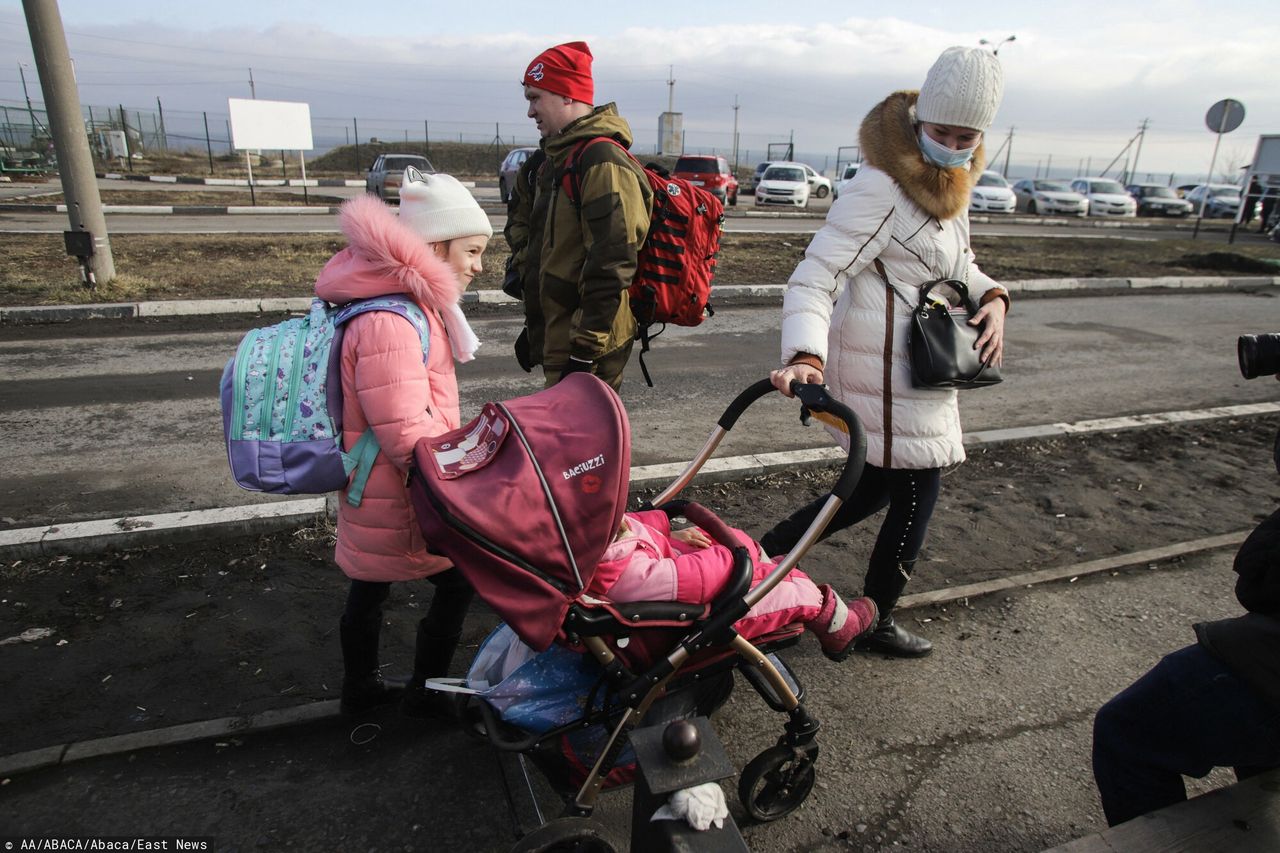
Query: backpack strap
point(358, 461)
point(570, 177)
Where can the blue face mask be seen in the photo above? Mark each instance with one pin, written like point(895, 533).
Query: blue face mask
point(942, 156)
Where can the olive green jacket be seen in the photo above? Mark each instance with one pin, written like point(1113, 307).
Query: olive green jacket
point(576, 260)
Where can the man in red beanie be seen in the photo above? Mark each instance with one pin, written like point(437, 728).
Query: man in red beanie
point(574, 233)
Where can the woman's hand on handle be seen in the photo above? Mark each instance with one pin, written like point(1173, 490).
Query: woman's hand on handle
point(802, 372)
point(990, 343)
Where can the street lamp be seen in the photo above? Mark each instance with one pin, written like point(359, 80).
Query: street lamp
point(998, 44)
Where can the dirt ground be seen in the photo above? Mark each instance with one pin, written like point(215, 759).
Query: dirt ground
point(35, 270)
point(155, 637)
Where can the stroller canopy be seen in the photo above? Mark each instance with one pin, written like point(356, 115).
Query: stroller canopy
point(525, 498)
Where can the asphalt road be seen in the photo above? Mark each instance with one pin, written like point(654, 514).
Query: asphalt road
point(743, 218)
point(107, 418)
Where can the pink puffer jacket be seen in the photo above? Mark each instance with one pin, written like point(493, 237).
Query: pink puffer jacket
point(385, 384)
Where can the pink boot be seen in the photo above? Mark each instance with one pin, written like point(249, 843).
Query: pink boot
point(837, 624)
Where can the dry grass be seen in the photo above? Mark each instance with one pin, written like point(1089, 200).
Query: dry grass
point(35, 270)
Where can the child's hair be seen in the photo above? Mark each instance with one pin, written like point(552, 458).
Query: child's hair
point(623, 529)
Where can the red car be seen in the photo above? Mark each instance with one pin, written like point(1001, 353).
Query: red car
point(711, 172)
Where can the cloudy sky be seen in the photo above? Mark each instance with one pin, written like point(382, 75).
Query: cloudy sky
point(1081, 77)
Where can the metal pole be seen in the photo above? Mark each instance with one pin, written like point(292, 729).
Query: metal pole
point(124, 126)
point(1213, 161)
point(735, 133)
point(208, 143)
point(164, 135)
point(302, 161)
point(75, 163)
point(31, 114)
point(1008, 151)
point(356, 123)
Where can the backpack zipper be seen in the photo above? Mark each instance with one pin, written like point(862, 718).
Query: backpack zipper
point(242, 379)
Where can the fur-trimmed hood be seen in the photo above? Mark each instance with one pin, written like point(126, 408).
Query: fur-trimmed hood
point(888, 139)
point(384, 255)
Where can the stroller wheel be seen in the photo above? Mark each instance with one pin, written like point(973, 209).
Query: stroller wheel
point(776, 782)
point(565, 835)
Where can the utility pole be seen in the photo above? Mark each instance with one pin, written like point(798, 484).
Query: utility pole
point(1007, 151)
point(75, 162)
point(253, 93)
point(164, 136)
point(671, 89)
point(1142, 132)
point(735, 133)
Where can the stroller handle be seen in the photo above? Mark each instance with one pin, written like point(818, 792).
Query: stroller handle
point(814, 400)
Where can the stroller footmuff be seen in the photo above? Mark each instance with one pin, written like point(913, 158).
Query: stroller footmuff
point(524, 500)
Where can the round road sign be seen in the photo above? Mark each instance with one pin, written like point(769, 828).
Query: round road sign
point(1224, 116)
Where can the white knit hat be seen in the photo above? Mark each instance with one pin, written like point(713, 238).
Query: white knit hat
point(963, 89)
point(439, 208)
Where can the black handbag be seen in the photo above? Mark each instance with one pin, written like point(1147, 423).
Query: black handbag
point(941, 344)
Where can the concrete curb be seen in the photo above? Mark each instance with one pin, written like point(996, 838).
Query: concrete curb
point(90, 537)
point(728, 294)
point(60, 754)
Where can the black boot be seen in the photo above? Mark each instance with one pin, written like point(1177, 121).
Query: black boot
point(890, 638)
point(884, 585)
point(363, 687)
point(432, 656)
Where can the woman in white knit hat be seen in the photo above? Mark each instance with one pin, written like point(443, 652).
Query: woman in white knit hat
point(430, 252)
point(905, 211)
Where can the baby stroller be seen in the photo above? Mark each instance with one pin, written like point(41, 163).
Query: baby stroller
point(526, 498)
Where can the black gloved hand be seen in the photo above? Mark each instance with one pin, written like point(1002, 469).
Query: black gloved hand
point(511, 283)
point(575, 365)
point(523, 357)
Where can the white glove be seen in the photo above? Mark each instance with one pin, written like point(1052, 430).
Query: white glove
point(702, 805)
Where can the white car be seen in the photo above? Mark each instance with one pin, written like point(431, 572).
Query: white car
point(1044, 198)
point(992, 195)
point(1106, 197)
point(783, 183)
point(819, 187)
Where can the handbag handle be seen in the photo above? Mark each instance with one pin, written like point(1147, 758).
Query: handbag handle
point(961, 289)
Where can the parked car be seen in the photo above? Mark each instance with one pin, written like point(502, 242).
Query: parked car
point(711, 172)
point(387, 172)
point(1106, 197)
point(1044, 198)
point(1220, 200)
point(755, 178)
point(1158, 200)
point(846, 174)
point(783, 183)
point(507, 171)
point(819, 187)
point(992, 194)
point(1183, 189)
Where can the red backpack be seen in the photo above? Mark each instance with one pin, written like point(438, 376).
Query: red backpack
point(677, 262)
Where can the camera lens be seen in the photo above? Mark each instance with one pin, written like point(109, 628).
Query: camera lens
point(1259, 355)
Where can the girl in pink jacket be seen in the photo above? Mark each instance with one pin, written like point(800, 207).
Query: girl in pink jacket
point(430, 252)
point(648, 561)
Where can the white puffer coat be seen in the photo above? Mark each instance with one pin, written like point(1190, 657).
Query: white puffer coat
point(913, 217)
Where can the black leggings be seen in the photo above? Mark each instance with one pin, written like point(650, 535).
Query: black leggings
point(445, 614)
point(910, 494)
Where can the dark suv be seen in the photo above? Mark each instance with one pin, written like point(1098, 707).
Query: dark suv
point(387, 173)
point(711, 172)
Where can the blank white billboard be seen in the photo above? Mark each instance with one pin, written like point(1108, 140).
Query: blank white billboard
point(279, 125)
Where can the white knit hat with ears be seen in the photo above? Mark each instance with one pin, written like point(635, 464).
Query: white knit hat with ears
point(439, 208)
point(962, 89)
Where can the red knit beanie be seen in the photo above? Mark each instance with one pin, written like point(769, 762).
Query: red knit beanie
point(564, 70)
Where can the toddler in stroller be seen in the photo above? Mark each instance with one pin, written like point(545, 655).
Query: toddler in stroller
point(528, 501)
point(649, 561)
